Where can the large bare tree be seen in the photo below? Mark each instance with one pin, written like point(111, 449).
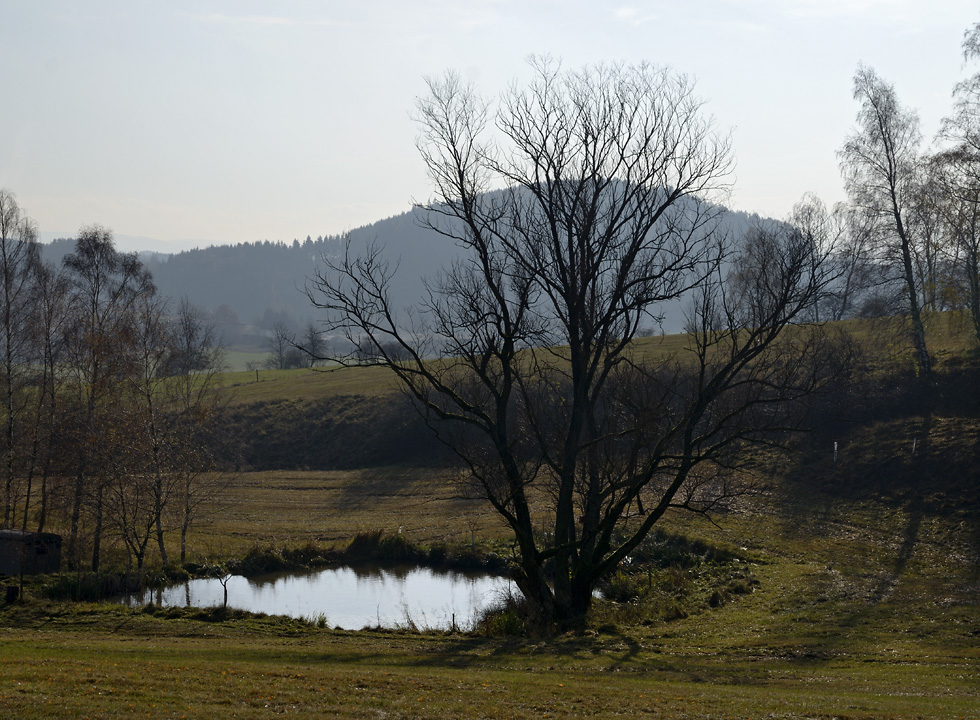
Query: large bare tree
point(581, 208)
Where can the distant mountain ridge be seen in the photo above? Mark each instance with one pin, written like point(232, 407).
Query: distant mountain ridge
point(257, 283)
point(135, 243)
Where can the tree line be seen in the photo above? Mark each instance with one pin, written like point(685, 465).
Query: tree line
point(109, 397)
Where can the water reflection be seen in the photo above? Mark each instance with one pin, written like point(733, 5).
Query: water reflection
point(348, 597)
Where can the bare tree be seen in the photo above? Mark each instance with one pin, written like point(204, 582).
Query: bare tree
point(962, 127)
point(314, 346)
point(171, 407)
point(881, 166)
point(145, 482)
point(577, 225)
point(957, 173)
point(129, 487)
point(282, 340)
point(104, 284)
point(48, 326)
point(197, 404)
point(18, 255)
point(848, 232)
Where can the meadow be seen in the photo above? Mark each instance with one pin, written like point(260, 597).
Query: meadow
point(847, 589)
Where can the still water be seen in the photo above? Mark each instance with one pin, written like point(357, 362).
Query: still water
point(348, 597)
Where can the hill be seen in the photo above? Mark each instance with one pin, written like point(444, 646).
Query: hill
point(348, 418)
point(248, 286)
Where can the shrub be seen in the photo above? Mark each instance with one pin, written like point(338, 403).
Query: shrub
point(94, 586)
point(623, 587)
point(378, 546)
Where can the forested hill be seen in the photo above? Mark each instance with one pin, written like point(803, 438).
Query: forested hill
point(257, 283)
point(265, 280)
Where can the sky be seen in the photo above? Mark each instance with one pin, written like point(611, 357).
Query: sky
point(181, 124)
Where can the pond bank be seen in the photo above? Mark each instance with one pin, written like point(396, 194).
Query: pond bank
point(368, 547)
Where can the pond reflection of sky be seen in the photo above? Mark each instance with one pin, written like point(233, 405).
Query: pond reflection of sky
point(350, 598)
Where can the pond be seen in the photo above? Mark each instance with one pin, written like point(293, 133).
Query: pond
point(349, 597)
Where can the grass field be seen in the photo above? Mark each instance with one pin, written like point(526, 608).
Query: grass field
point(864, 609)
point(289, 508)
point(309, 384)
point(864, 601)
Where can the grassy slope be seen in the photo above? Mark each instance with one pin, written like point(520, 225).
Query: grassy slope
point(868, 602)
point(307, 384)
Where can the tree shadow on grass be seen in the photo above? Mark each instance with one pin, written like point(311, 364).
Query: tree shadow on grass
point(898, 514)
point(927, 466)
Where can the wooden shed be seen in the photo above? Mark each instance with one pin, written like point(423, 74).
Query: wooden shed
point(30, 553)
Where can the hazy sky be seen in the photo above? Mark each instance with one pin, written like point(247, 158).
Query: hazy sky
point(196, 123)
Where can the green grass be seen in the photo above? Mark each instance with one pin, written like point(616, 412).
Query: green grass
point(847, 590)
point(251, 386)
point(864, 608)
point(240, 359)
point(262, 671)
point(948, 336)
point(290, 508)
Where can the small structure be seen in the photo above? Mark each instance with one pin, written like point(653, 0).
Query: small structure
point(29, 553)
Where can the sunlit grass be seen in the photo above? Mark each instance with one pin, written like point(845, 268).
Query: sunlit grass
point(949, 337)
point(848, 621)
point(307, 384)
point(290, 508)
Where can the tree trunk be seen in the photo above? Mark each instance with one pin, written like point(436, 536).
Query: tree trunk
point(42, 515)
point(158, 516)
point(45, 474)
point(538, 596)
point(9, 514)
point(27, 496)
point(164, 558)
point(581, 603)
point(918, 329)
point(187, 519)
point(76, 512)
point(973, 279)
point(8, 500)
point(97, 538)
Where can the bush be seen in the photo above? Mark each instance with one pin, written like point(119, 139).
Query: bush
point(380, 547)
point(258, 561)
point(93, 586)
point(623, 587)
point(663, 549)
point(509, 618)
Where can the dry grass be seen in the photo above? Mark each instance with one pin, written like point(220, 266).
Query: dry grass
point(290, 508)
point(948, 335)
